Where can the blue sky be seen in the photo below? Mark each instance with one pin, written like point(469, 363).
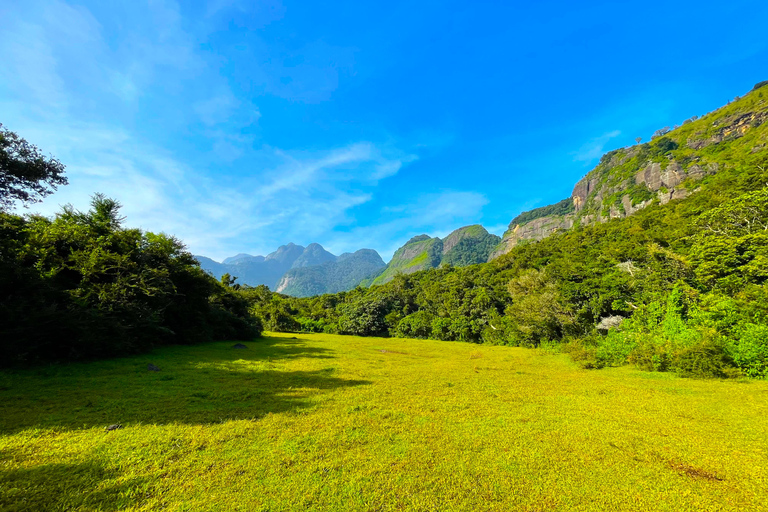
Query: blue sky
point(239, 125)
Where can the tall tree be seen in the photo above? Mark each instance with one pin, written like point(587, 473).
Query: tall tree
point(26, 175)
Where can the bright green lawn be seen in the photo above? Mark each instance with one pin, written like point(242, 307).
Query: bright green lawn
point(342, 423)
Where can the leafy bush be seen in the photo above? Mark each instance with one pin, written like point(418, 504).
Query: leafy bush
point(749, 349)
point(365, 317)
point(416, 325)
point(707, 359)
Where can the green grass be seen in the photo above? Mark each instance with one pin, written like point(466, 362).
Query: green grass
point(342, 423)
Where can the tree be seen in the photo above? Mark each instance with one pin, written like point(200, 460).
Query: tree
point(538, 309)
point(26, 175)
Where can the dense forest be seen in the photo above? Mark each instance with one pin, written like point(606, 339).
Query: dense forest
point(679, 285)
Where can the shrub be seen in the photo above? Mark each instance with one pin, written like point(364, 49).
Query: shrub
point(749, 350)
point(416, 325)
point(364, 317)
point(707, 359)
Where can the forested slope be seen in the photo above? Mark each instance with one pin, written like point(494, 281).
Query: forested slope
point(677, 285)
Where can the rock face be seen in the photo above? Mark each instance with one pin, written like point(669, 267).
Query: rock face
point(341, 274)
point(630, 179)
point(533, 230)
point(728, 128)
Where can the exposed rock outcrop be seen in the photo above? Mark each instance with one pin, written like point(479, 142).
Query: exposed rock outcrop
point(533, 230)
point(630, 179)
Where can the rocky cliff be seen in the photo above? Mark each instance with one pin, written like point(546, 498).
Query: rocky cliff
point(667, 168)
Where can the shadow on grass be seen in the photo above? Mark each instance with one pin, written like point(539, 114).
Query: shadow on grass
point(75, 486)
point(201, 384)
point(277, 349)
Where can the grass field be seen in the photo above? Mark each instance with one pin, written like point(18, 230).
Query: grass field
point(328, 422)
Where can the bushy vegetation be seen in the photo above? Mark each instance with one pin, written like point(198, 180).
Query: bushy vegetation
point(81, 285)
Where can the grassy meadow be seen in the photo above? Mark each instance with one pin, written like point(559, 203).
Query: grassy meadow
point(323, 422)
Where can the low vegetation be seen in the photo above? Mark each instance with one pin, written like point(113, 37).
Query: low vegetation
point(336, 423)
point(563, 207)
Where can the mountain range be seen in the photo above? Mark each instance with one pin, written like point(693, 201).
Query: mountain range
point(305, 271)
point(626, 180)
point(270, 269)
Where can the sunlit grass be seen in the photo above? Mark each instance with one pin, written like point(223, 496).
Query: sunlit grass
point(328, 422)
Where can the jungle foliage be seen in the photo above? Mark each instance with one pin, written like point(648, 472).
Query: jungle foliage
point(80, 285)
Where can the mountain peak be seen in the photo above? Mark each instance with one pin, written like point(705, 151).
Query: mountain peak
point(313, 254)
point(418, 238)
point(285, 253)
point(238, 257)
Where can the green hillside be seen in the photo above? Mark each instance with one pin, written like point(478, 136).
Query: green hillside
point(465, 246)
point(419, 253)
point(468, 246)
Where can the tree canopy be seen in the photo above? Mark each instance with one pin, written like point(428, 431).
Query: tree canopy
point(26, 174)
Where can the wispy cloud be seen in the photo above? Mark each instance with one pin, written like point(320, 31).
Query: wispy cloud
point(274, 196)
point(302, 199)
point(595, 148)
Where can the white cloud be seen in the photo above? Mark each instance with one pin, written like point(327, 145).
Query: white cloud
point(77, 100)
point(218, 109)
point(303, 198)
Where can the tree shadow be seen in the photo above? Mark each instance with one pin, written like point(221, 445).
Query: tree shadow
point(196, 385)
point(72, 486)
point(278, 348)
